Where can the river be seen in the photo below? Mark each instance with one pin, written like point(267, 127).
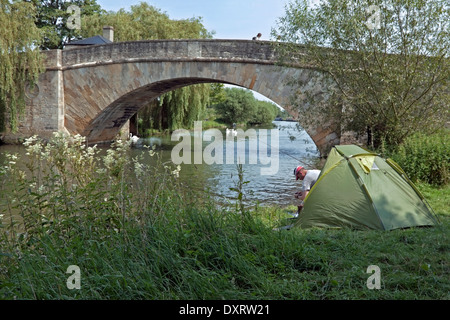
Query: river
point(294, 147)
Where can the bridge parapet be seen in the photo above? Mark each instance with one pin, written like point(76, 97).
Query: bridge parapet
point(94, 90)
point(173, 50)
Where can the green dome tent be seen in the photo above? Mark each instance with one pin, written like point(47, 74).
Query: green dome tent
point(361, 190)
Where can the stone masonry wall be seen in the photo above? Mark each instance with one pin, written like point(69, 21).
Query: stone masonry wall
point(95, 90)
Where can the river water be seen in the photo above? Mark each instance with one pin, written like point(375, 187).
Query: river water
point(290, 147)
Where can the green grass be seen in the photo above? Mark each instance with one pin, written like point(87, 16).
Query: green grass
point(151, 239)
point(414, 262)
point(193, 253)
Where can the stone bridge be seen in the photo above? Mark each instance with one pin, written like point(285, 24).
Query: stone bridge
point(95, 90)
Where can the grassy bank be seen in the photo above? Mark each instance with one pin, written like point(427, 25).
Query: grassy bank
point(138, 234)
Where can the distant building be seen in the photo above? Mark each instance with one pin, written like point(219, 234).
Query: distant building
point(108, 37)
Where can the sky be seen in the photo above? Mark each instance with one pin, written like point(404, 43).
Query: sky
point(230, 19)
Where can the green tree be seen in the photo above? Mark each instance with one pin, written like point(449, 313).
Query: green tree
point(175, 109)
point(388, 61)
point(183, 106)
point(20, 60)
point(53, 17)
point(265, 112)
point(239, 107)
point(143, 22)
point(217, 93)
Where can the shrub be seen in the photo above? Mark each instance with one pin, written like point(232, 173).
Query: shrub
point(425, 157)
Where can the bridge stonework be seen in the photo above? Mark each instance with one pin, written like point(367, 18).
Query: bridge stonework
point(95, 90)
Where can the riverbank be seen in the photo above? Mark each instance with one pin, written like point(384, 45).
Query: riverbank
point(130, 231)
point(186, 251)
point(209, 124)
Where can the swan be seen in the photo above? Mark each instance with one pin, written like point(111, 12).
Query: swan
point(134, 139)
point(231, 131)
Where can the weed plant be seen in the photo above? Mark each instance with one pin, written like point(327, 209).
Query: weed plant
point(136, 233)
point(425, 158)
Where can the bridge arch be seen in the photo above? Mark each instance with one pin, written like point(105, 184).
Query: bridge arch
point(101, 87)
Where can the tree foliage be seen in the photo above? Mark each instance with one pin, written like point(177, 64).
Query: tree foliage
point(175, 109)
point(240, 106)
point(144, 22)
point(265, 112)
point(217, 93)
point(20, 60)
point(183, 106)
point(53, 17)
point(388, 61)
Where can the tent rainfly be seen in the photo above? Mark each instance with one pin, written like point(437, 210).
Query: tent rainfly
point(359, 189)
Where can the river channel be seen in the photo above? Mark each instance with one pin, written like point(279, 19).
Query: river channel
point(266, 187)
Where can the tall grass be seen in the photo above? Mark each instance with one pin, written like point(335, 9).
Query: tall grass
point(136, 233)
point(425, 157)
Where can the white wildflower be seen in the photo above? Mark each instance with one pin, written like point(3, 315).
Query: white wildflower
point(176, 172)
point(30, 140)
point(139, 168)
point(41, 189)
point(91, 151)
point(101, 171)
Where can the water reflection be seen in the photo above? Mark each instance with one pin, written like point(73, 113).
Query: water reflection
point(295, 147)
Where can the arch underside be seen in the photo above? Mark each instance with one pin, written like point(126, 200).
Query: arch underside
point(107, 124)
point(101, 99)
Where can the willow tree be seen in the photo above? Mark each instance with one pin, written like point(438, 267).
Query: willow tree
point(386, 61)
point(53, 17)
point(20, 60)
point(175, 109)
point(182, 107)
